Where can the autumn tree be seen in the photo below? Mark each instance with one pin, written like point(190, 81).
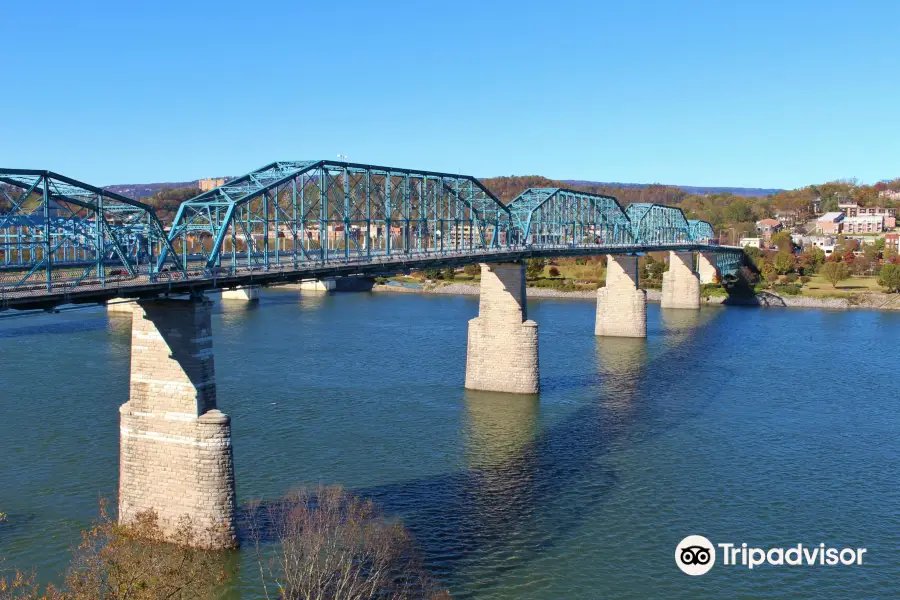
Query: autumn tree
point(835, 272)
point(332, 544)
point(784, 263)
point(890, 277)
point(811, 259)
point(131, 562)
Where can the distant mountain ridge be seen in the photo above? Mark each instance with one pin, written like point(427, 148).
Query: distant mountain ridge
point(137, 191)
point(690, 189)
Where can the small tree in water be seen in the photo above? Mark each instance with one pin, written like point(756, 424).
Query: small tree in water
point(331, 544)
point(134, 562)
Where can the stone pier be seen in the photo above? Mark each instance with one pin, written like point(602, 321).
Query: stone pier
point(502, 353)
point(175, 446)
point(318, 285)
point(680, 284)
point(120, 306)
point(706, 267)
point(249, 293)
point(621, 305)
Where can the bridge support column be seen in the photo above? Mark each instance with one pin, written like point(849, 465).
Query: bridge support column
point(706, 267)
point(621, 306)
point(502, 354)
point(175, 446)
point(249, 293)
point(319, 285)
point(680, 284)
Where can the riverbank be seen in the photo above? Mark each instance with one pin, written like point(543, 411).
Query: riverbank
point(869, 301)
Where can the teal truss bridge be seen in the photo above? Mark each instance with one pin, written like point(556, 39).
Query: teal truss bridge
point(64, 241)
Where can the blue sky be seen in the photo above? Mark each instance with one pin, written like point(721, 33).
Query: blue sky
point(768, 94)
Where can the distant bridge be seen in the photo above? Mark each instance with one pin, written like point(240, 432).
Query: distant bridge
point(64, 241)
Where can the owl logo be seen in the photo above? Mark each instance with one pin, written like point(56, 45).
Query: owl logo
point(695, 555)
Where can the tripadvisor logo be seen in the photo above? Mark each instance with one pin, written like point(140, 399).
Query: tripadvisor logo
point(696, 555)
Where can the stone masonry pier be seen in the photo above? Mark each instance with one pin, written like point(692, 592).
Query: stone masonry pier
point(680, 284)
point(249, 293)
point(621, 305)
point(176, 457)
point(706, 267)
point(502, 354)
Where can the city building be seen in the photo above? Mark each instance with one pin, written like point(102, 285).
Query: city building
point(817, 205)
point(830, 222)
point(863, 224)
point(751, 242)
point(209, 184)
point(788, 217)
point(892, 241)
point(889, 194)
point(853, 209)
point(768, 227)
point(825, 242)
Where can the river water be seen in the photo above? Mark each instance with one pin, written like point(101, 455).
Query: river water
point(770, 427)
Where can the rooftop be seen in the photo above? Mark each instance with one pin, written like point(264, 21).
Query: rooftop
point(832, 216)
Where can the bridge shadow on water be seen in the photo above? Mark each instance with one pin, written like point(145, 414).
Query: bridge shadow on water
point(517, 496)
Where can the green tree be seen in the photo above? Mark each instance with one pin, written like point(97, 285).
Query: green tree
point(554, 272)
point(782, 240)
point(534, 268)
point(835, 272)
point(784, 263)
point(890, 277)
point(471, 270)
point(449, 273)
point(432, 274)
point(767, 269)
point(812, 259)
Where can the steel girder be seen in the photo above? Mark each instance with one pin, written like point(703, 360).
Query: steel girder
point(561, 216)
point(729, 260)
point(57, 232)
point(658, 224)
point(288, 213)
point(702, 232)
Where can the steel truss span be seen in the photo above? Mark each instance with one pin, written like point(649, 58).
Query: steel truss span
point(291, 213)
point(66, 241)
point(56, 232)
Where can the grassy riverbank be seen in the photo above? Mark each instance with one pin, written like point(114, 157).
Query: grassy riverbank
point(855, 293)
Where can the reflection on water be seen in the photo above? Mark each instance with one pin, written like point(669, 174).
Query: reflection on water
point(620, 362)
point(500, 433)
point(631, 445)
point(679, 323)
point(499, 427)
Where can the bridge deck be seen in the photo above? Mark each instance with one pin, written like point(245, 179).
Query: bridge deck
point(200, 279)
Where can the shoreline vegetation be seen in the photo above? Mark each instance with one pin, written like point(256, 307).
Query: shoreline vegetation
point(849, 300)
point(863, 300)
point(800, 286)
